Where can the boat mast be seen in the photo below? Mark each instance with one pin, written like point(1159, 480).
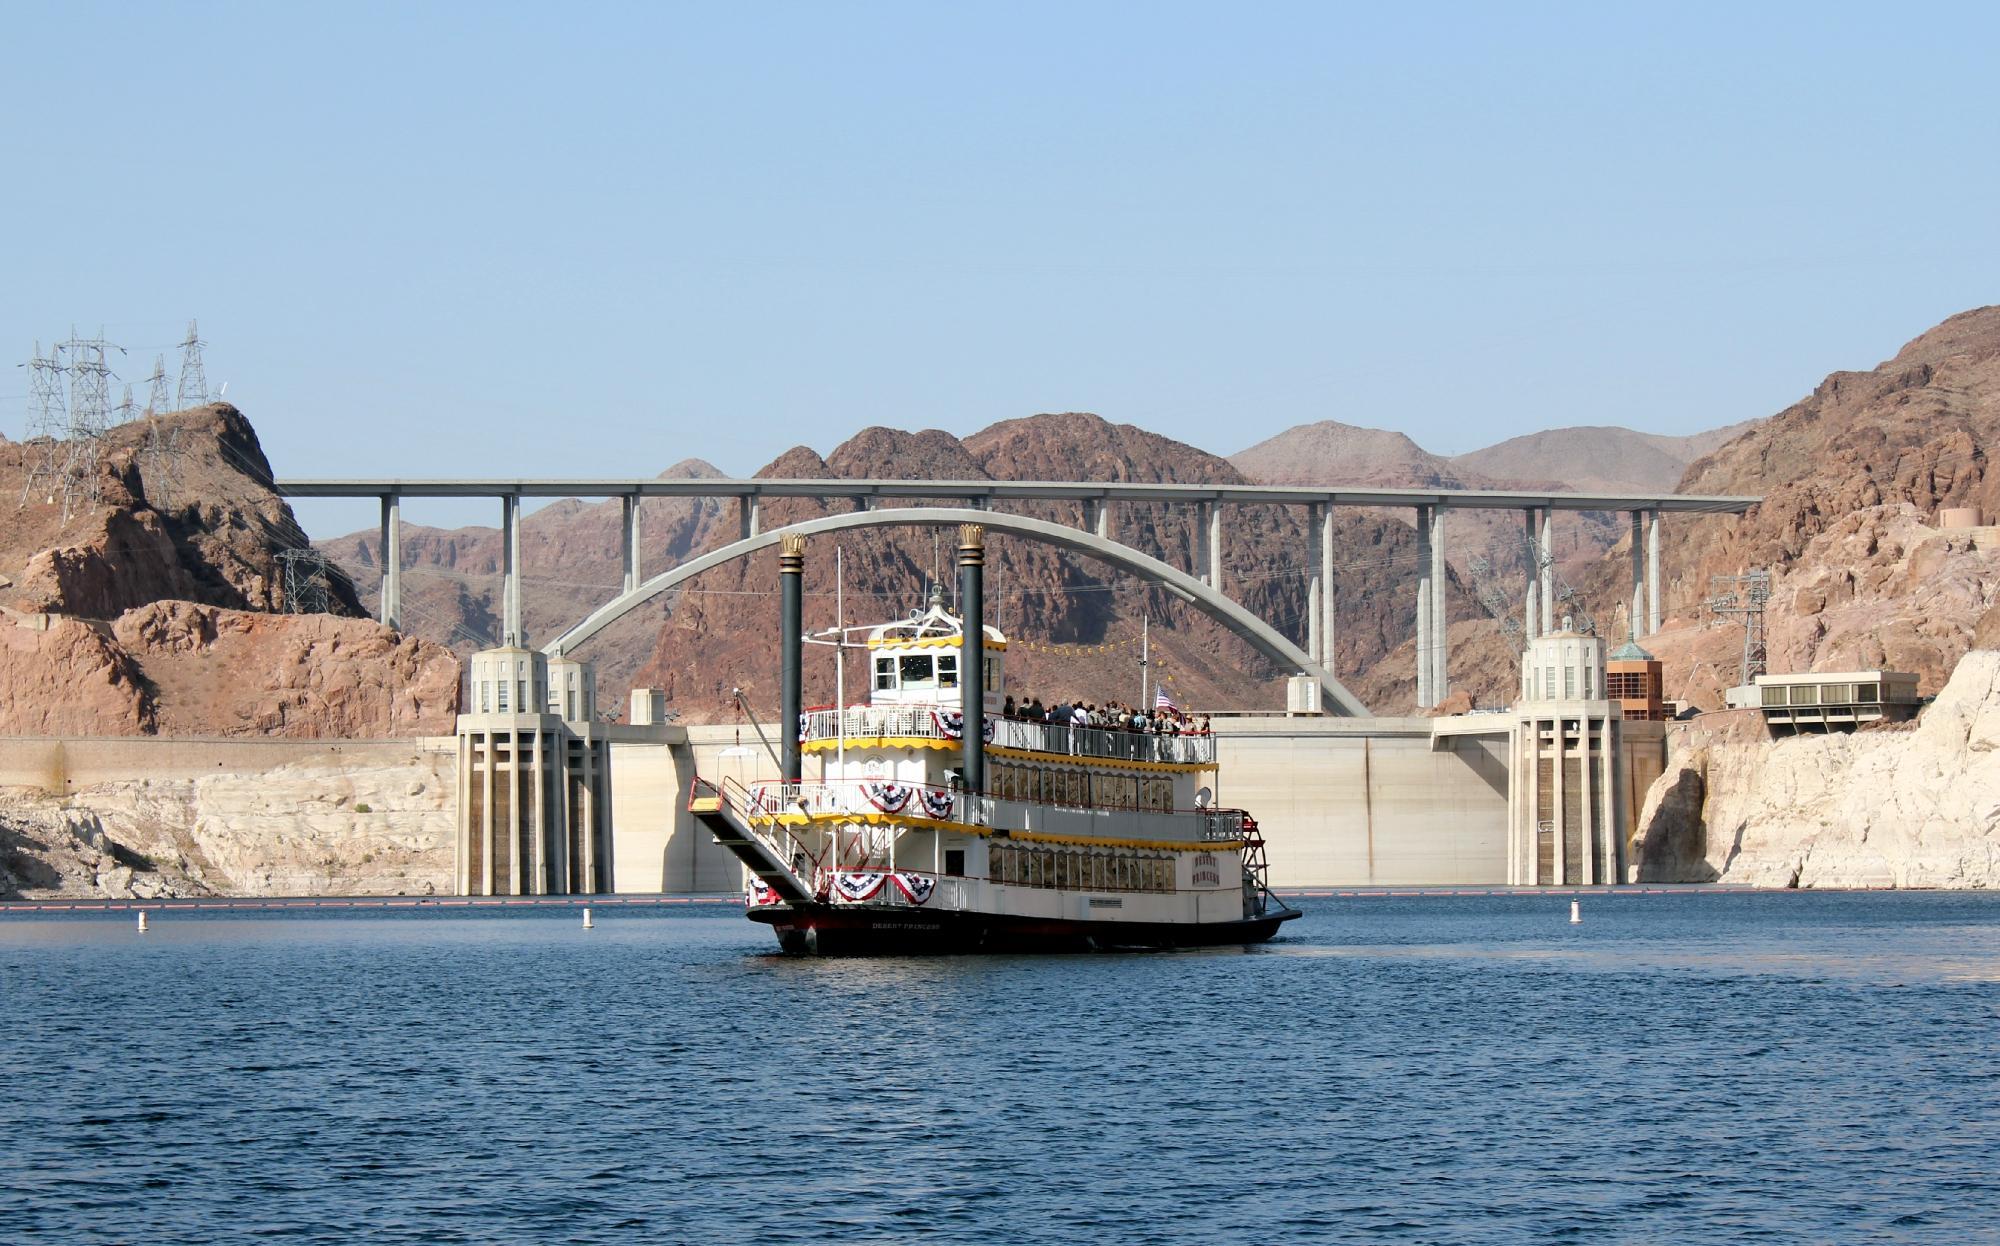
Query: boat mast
point(839, 665)
point(1145, 661)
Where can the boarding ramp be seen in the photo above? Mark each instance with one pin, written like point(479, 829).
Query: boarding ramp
point(755, 834)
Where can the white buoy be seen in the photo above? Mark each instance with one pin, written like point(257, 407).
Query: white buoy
point(1575, 913)
point(586, 919)
point(142, 921)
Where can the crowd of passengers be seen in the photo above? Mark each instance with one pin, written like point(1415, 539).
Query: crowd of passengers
point(1112, 716)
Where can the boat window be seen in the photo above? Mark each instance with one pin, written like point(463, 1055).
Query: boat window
point(947, 670)
point(915, 668)
point(885, 673)
point(991, 672)
point(954, 862)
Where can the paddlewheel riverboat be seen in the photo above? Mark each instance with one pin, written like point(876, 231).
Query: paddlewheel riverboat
point(926, 833)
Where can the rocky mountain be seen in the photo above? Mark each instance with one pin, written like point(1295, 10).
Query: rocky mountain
point(163, 607)
point(1329, 452)
point(1854, 477)
point(1595, 459)
point(1078, 625)
point(1487, 549)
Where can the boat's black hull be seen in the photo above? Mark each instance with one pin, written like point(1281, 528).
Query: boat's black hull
point(863, 930)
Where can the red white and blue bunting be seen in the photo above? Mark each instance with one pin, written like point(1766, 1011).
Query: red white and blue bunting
point(853, 886)
point(937, 804)
point(860, 886)
point(886, 794)
point(951, 724)
point(758, 894)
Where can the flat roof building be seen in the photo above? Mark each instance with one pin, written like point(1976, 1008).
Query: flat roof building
point(1824, 701)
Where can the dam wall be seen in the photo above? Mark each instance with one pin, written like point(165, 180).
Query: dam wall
point(1342, 802)
point(1368, 801)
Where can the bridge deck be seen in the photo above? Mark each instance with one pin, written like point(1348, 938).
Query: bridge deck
point(1012, 490)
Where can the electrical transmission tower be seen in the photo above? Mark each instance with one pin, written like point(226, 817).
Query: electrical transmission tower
point(1743, 597)
point(1498, 602)
point(308, 578)
point(48, 421)
point(156, 402)
point(125, 411)
point(193, 389)
point(68, 436)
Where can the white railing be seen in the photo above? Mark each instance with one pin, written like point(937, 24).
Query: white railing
point(857, 796)
point(864, 722)
point(766, 802)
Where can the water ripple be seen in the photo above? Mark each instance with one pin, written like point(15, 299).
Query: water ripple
point(1713, 1068)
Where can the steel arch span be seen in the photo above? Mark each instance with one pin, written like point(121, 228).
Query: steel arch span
point(1261, 636)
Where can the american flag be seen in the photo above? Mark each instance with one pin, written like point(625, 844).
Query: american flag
point(1161, 701)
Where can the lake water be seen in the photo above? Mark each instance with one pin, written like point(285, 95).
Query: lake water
point(1704, 1067)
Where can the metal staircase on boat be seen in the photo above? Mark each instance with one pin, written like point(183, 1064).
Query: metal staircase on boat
point(757, 837)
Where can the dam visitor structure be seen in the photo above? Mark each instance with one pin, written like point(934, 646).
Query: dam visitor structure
point(1343, 796)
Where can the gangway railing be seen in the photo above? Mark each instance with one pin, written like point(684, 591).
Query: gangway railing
point(784, 862)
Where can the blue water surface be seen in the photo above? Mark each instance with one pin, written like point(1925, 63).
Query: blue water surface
point(1702, 1067)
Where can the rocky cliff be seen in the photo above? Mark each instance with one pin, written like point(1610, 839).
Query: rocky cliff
point(163, 608)
point(1906, 806)
point(366, 825)
point(1853, 478)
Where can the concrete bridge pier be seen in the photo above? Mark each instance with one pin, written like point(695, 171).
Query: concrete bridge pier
point(1653, 610)
point(1211, 523)
point(1546, 569)
point(1440, 617)
point(1097, 517)
point(1323, 653)
point(628, 540)
point(510, 583)
point(1531, 616)
point(1425, 665)
point(391, 547)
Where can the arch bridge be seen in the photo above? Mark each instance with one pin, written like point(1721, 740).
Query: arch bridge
point(1202, 587)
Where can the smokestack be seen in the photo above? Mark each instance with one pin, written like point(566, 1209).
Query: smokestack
point(791, 571)
point(972, 652)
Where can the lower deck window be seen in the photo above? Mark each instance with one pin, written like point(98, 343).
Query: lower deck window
point(1078, 869)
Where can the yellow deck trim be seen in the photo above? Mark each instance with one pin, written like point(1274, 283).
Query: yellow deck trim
point(1014, 754)
point(987, 832)
point(1113, 763)
point(932, 642)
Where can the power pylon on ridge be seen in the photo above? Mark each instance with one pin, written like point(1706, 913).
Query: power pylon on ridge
point(156, 402)
point(48, 423)
point(125, 411)
point(69, 439)
point(1743, 597)
point(307, 580)
point(89, 383)
point(1498, 602)
point(193, 390)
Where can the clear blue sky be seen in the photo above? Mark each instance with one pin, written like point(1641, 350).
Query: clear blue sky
point(594, 240)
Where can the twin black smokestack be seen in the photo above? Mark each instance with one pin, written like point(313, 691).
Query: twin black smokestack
point(971, 659)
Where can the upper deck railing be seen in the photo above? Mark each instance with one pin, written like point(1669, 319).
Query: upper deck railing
point(870, 722)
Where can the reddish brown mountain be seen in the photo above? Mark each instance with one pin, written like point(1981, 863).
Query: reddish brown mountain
point(1854, 477)
point(1078, 623)
point(163, 607)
